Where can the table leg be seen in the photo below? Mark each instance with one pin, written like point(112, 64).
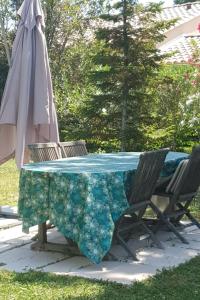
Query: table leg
point(70, 249)
point(42, 233)
point(41, 238)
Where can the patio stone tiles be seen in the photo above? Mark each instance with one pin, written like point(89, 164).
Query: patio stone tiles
point(8, 223)
point(16, 255)
point(8, 210)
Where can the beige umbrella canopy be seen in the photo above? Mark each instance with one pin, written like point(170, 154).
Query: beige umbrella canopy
point(27, 113)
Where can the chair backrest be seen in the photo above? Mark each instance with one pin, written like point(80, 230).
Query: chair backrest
point(188, 180)
point(177, 176)
point(74, 148)
point(147, 174)
point(44, 151)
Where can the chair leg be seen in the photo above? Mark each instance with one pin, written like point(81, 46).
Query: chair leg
point(153, 236)
point(185, 208)
point(175, 231)
point(194, 221)
point(157, 226)
point(124, 245)
point(190, 216)
point(169, 224)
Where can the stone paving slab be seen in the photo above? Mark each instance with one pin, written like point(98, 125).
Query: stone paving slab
point(8, 223)
point(16, 255)
point(22, 259)
point(15, 233)
point(169, 257)
point(8, 210)
point(11, 219)
point(68, 265)
point(121, 272)
point(14, 238)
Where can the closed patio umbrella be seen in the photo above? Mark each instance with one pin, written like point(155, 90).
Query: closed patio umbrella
point(27, 113)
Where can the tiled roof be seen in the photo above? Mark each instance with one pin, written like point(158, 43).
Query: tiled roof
point(184, 12)
point(182, 46)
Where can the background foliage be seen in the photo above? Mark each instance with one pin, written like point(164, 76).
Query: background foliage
point(88, 71)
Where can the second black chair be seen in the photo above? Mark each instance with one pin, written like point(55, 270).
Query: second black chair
point(143, 186)
point(179, 194)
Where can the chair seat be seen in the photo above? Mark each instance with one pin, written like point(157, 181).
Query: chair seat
point(162, 183)
point(137, 206)
point(179, 198)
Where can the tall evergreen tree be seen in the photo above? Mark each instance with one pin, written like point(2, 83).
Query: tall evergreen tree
point(128, 34)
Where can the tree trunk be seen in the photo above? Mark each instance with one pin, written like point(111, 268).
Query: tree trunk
point(125, 91)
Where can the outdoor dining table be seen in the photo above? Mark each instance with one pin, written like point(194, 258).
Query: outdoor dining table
point(82, 196)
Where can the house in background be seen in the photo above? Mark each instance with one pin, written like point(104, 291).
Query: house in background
point(187, 29)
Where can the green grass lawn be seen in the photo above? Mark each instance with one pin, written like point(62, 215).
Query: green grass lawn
point(9, 177)
point(181, 283)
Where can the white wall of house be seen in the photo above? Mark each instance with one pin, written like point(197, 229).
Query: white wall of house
point(182, 29)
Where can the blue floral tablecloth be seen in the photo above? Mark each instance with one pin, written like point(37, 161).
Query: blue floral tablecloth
point(82, 196)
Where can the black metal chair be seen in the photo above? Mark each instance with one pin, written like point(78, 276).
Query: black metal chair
point(74, 148)
point(44, 151)
point(179, 194)
point(144, 183)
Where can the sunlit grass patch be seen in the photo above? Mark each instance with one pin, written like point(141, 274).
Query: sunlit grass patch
point(9, 177)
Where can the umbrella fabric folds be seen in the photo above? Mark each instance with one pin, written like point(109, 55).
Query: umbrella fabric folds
point(27, 113)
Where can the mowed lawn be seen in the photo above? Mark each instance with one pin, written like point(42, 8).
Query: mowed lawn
point(181, 283)
point(9, 181)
